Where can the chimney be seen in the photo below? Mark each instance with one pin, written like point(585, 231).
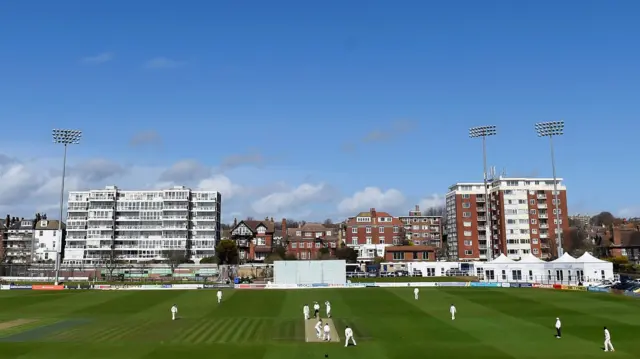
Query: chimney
point(284, 228)
point(417, 208)
point(373, 212)
point(235, 222)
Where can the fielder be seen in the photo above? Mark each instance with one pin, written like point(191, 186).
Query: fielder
point(348, 333)
point(453, 312)
point(327, 332)
point(305, 311)
point(328, 306)
point(174, 312)
point(316, 310)
point(219, 294)
point(319, 329)
point(607, 341)
point(416, 293)
point(558, 328)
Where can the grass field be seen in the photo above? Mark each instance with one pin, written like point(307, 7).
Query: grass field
point(388, 323)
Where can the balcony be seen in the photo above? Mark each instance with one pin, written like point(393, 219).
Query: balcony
point(544, 225)
point(480, 209)
point(482, 219)
point(542, 205)
point(543, 215)
point(542, 196)
point(544, 235)
point(480, 199)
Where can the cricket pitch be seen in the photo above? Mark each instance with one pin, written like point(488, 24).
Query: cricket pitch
point(310, 331)
point(15, 323)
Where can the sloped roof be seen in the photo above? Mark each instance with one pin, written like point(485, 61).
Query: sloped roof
point(565, 258)
point(502, 259)
point(588, 258)
point(530, 258)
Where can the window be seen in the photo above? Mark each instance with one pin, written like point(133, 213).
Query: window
point(41, 233)
point(381, 230)
point(466, 205)
point(354, 241)
point(354, 230)
point(467, 233)
point(299, 233)
point(319, 234)
point(303, 255)
point(535, 251)
point(398, 256)
point(55, 233)
point(533, 211)
point(333, 244)
point(369, 240)
point(468, 252)
point(516, 274)
point(533, 221)
point(466, 224)
point(522, 201)
point(559, 211)
point(308, 234)
point(328, 233)
point(466, 214)
point(381, 240)
point(555, 221)
point(468, 243)
point(532, 201)
point(554, 201)
point(260, 241)
point(534, 231)
point(317, 244)
point(368, 229)
point(504, 274)
point(466, 196)
point(396, 229)
point(294, 245)
point(262, 230)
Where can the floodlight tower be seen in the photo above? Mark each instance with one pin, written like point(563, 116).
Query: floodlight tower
point(64, 137)
point(550, 129)
point(484, 132)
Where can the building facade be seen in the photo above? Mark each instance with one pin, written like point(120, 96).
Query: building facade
point(254, 239)
point(421, 229)
point(308, 240)
point(19, 245)
point(141, 225)
point(410, 253)
point(521, 214)
point(370, 232)
point(48, 240)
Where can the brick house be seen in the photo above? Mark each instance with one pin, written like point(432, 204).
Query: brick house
point(410, 253)
point(306, 241)
point(370, 232)
point(254, 239)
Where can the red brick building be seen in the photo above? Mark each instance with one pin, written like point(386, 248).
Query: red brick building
point(421, 229)
point(254, 239)
point(521, 218)
point(410, 253)
point(307, 240)
point(370, 232)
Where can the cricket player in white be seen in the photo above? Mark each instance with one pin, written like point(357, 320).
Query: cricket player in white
point(174, 312)
point(348, 333)
point(328, 306)
point(607, 341)
point(558, 328)
point(416, 292)
point(316, 310)
point(219, 294)
point(305, 311)
point(453, 311)
point(319, 329)
point(327, 332)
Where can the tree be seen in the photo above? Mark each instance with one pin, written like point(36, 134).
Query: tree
point(227, 252)
point(174, 257)
point(577, 242)
point(442, 253)
point(110, 262)
point(378, 260)
point(348, 254)
point(324, 254)
point(434, 211)
point(603, 219)
point(281, 251)
point(328, 222)
point(272, 258)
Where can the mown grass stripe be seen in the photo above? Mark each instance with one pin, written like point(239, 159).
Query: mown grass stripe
point(185, 333)
point(235, 331)
point(122, 334)
point(207, 331)
point(255, 334)
point(102, 334)
point(218, 334)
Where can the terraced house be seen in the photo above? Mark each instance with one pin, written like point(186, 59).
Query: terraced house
point(254, 239)
point(370, 232)
point(308, 240)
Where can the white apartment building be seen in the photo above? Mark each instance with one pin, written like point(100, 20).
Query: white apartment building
point(141, 225)
point(19, 245)
point(47, 240)
point(522, 217)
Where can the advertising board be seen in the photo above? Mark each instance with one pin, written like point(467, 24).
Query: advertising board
point(452, 284)
point(556, 286)
point(483, 284)
point(574, 287)
point(505, 285)
point(217, 286)
point(5, 287)
point(21, 287)
point(543, 286)
point(250, 286)
point(185, 286)
point(526, 285)
point(47, 287)
point(598, 290)
point(282, 286)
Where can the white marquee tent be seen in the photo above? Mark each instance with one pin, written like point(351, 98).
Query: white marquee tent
point(595, 269)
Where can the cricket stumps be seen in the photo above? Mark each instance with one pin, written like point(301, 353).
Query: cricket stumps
point(310, 331)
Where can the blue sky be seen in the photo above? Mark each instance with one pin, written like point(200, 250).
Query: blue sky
point(294, 108)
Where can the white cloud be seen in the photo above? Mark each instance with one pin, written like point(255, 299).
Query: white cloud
point(433, 201)
point(628, 212)
point(372, 197)
point(282, 201)
point(221, 184)
point(163, 63)
point(98, 59)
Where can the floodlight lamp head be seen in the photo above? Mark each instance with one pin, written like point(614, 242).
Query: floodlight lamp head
point(482, 131)
point(552, 128)
point(66, 137)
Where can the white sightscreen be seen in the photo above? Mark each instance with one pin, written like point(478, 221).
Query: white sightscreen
point(310, 272)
